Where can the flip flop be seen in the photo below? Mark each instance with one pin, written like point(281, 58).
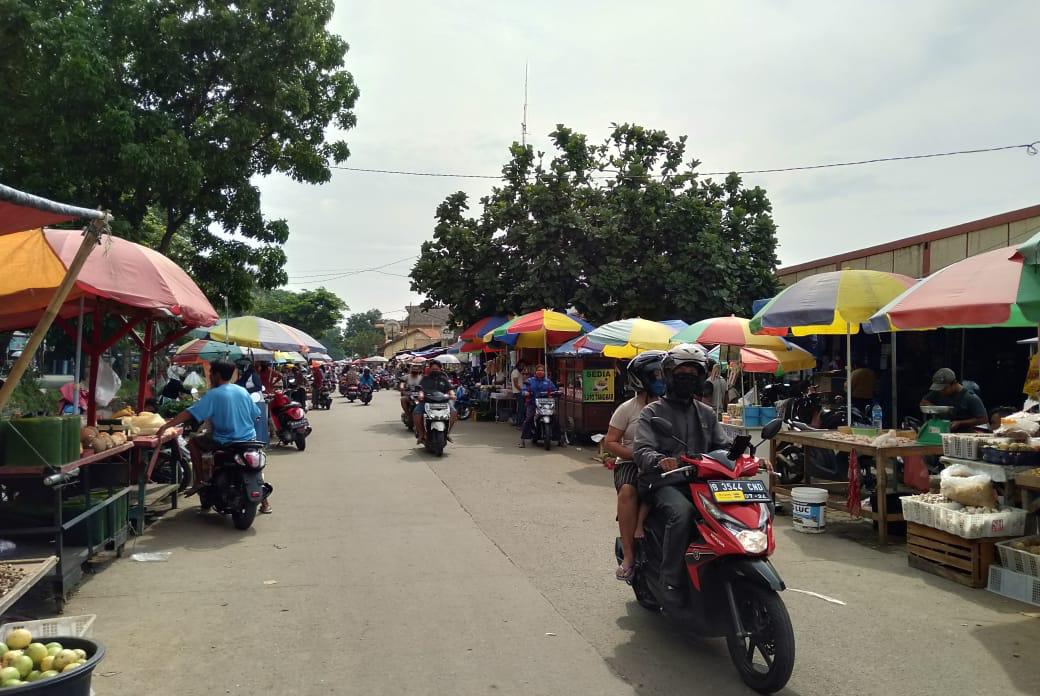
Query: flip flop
point(268, 511)
point(625, 574)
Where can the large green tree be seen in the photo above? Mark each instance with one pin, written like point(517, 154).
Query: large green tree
point(166, 111)
point(360, 335)
point(314, 311)
point(618, 229)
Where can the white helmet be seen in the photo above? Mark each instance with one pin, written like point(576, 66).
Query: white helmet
point(683, 354)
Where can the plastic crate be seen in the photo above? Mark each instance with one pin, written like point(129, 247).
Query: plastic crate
point(1008, 583)
point(960, 446)
point(1003, 523)
point(920, 512)
point(76, 626)
point(1018, 560)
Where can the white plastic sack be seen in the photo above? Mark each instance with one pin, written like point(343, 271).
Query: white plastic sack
point(194, 379)
point(967, 486)
point(108, 383)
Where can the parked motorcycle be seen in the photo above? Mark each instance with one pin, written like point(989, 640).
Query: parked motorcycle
point(237, 487)
point(290, 420)
point(436, 420)
point(733, 589)
point(365, 394)
point(463, 404)
point(297, 391)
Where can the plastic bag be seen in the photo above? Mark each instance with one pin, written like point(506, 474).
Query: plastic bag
point(108, 383)
point(967, 486)
point(194, 379)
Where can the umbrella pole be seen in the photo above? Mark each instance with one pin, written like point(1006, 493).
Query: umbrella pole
point(90, 239)
point(77, 370)
point(848, 373)
point(895, 400)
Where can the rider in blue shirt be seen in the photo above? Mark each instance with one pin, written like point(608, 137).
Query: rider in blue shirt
point(536, 386)
point(367, 380)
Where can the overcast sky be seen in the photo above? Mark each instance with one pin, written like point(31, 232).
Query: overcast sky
point(753, 84)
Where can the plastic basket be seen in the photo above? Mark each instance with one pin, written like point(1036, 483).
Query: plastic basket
point(960, 446)
point(1003, 523)
point(917, 510)
point(1008, 583)
point(77, 626)
point(1018, 560)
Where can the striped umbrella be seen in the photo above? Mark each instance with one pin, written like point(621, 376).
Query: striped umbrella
point(476, 330)
point(627, 338)
point(201, 350)
point(258, 332)
point(730, 331)
point(996, 288)
point(775, 362)
point(538, 329)
point(832, 303)
point(282, 357)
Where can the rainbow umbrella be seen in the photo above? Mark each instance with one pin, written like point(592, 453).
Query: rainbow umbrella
point(481, 327)
point(627, 338)
point(996, 288)
point(776, 362)
point(730, 331)
point(282, 357)
point(257, 332)
point(538, 329)
point(201, 350)
point(832, 303)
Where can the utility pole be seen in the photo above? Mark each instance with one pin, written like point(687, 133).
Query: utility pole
point(523, 122)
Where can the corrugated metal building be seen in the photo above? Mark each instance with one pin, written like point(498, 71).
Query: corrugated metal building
point(926, 253)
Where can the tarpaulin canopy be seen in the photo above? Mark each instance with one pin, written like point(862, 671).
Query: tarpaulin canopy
point(117, 271)
point(21, 211)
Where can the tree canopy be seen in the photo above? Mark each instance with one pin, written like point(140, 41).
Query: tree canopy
point(621, 229)
point(164, 112)
point(314, 311)
point(360, 335)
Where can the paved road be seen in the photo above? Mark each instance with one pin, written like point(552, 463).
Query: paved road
point(489, 571)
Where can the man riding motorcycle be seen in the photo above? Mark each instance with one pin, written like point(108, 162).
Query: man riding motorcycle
point(412, 380)
point(367, 380)
point(537, 386)
point(435, 381)
point(684, 367)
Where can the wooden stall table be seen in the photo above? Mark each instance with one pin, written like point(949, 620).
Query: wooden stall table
point(880, 455)
point(501, 398)
point(1027, 484)
point(35, 569)
point(149, 493)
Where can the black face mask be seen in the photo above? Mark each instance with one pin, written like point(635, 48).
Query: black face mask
point(685, 386)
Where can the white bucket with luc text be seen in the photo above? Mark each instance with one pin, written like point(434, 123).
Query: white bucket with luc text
point(808, 509)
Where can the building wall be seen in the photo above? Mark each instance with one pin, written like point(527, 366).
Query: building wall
point(925, 254)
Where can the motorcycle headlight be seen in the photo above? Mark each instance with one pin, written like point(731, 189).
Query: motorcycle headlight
point(753, 540)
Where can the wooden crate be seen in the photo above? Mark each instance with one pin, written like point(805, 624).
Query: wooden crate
point(965, 561)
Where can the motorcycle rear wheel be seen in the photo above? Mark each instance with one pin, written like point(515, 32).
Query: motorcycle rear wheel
point(765, 659)
point(301, 441)
point(243, 519)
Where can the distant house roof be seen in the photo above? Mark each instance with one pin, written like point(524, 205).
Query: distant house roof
point(434, 316)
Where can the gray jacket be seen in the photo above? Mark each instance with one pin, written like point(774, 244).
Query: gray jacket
point(695, 424)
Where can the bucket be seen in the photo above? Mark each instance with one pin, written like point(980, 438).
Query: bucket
point(74, 683)
point(807, 509)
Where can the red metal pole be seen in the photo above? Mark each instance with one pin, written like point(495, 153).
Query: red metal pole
point(95, 363)
point(146, 357)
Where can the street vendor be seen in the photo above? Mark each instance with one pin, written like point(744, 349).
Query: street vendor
point(968, 409)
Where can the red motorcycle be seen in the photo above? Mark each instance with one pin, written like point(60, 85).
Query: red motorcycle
point(733, 589)
point(290, 420)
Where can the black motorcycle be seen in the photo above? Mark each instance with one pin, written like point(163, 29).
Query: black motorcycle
point(324, 398)
point(365, 394)
point(237, 487)
point(352, 393)
point(413, 394)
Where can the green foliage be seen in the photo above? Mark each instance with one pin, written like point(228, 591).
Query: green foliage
point(172, 408)
point(164, 112)
point(314, 311)
point(361, 338)
point(30, 399)
point(653, 239)
point(333, 342)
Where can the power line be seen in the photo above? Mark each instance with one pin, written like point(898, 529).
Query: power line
point(1030, 149)
point(346, 274)
point(314, 273)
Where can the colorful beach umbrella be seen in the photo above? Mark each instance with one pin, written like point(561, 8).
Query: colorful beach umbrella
point(476, 330)
point(282, 357)
point(995, 288)
point(201, 350)
point(258, 332)
point(832, 303)
point(627, 338)
point(730, 331)
point(538, 329)
point(775, 362)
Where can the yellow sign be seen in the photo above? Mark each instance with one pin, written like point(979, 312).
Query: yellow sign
point(597, 386)
point(729, 496)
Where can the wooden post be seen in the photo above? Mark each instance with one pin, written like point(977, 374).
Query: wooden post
point(146, 358)
point(90, 239)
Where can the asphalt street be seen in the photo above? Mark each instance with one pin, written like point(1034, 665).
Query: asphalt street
point(384, 570)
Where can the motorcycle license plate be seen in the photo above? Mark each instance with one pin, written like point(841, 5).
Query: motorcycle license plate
point(744, 491)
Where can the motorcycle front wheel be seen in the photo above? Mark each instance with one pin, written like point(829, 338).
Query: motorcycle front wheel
point(435, 441)
point(765, 658)
point(547, 436)
point(243, 519)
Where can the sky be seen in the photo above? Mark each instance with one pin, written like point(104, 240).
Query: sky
point(753, 84)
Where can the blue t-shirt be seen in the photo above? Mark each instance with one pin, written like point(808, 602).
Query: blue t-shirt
point(230, 410)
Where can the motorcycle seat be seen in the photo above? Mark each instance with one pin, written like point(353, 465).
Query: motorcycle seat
point(437, 398)
point(239, 446)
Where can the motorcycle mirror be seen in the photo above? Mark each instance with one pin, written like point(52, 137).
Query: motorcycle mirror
point(771, 428)
point(662, 426)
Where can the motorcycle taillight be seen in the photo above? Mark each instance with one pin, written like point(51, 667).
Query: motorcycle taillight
point(296, 413)
point(254, 459)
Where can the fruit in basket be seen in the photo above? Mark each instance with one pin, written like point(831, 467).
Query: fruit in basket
point(34, 675)
point(37, 651)
point(49, 673)
point(24, 665)
point(45, 663)
point(9, 657)
point(10, 683)
point(64, 659)
point(80, 653)
point(18, 639)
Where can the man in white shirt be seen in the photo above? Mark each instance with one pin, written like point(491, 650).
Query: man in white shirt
point(516, 379)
